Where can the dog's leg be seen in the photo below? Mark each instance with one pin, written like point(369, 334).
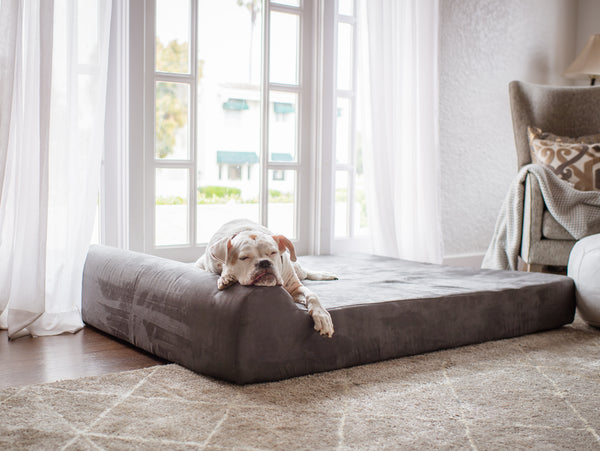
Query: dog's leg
point(304, 274)
point(320, 316)
point(225, 281)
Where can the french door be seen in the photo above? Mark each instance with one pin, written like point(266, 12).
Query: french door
point(242, 108)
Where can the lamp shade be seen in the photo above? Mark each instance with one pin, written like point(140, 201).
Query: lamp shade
point(588, 61)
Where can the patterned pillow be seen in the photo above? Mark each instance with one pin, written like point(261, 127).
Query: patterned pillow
point(576, 160)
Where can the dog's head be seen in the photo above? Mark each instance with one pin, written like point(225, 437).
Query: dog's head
point(254, 258)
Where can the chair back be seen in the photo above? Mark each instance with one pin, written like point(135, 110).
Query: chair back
point(563, 110)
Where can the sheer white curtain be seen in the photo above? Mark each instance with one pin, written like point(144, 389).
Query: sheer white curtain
point(51, 137)
point(400, 105)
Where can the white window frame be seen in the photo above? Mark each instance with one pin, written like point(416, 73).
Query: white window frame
point(128, 222)
point(304, 166)
point(328, 242)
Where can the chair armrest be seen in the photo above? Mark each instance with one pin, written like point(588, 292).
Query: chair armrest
point(533, 210)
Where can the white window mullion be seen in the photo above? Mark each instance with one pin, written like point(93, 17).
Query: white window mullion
point(352, 180)
point(193, 184)
point(284, 166)
point(174, 78)
point(327, 106)
point(265, 105)
point(287, 8)
point(353, 103)
point(305, 175)
point(286, 88)
point(149, 172)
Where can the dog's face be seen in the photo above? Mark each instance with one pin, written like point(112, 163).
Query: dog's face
point(254, 258)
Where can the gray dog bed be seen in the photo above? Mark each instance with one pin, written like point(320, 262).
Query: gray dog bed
point(381, 308)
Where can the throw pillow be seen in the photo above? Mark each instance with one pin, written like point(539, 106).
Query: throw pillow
point(575, 160)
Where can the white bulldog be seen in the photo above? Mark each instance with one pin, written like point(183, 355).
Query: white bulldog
point(248, 253)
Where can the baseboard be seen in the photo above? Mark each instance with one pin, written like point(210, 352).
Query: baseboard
point(468, 260)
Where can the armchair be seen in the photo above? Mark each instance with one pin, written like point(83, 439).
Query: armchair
point(564, 111)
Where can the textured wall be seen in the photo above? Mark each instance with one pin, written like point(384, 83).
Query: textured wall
point(588, 22)
point(484, 44)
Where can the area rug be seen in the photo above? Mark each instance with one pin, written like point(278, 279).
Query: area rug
point(537, 391)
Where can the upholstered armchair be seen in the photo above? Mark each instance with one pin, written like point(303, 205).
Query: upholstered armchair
point(564, 111)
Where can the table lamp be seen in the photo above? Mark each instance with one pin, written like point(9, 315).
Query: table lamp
point(588, 61)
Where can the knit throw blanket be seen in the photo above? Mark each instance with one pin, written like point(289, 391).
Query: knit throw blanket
point(577, 211)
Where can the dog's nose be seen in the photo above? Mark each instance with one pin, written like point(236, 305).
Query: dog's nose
point(264, 264)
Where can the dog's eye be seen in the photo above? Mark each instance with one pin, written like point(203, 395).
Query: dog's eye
point(273, 253)
point(243, 258)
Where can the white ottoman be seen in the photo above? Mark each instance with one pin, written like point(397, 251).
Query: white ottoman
point(584, 269)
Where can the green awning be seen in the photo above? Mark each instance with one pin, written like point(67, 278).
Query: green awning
point(235, 105)
point(281, 157)
point(283, 107)
point(232, 157)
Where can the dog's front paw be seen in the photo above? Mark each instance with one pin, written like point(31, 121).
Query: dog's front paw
point(328, 276)
point(323, 323)
point(225, 282)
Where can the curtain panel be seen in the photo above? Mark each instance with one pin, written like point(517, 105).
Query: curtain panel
point(51, 142)
point(399, 47)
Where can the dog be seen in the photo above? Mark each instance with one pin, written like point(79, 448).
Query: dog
point(247, 253)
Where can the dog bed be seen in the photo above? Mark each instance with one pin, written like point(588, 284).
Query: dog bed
point(382, 308)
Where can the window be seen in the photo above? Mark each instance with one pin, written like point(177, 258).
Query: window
point(227, 103)
point(350, 197)
point(343, 211)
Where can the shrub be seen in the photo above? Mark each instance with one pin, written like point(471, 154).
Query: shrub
point(218, 194)
point(170, 200)
point(218, 191)
point(276, 196)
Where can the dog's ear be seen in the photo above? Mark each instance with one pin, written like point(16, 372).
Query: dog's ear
point(231, 254)
point(283, 243)
point(227, 277)
point(218, 250)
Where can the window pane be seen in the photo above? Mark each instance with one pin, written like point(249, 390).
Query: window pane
point(229, 44)
point(345, 56)
point(172, 118)
point(283, 126)
point(284, 48)
point(228, 125)
point(342, 195)
point(346, 7)
point(282, 202)
point(343, 130)
point(172, 36)
point(171, 199)
point(216, 207)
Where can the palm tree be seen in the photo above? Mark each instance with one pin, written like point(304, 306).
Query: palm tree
point(253, 7)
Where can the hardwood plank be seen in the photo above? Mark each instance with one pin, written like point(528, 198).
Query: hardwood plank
point(89, 352)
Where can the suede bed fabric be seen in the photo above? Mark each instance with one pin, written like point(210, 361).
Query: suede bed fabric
point(382, 308)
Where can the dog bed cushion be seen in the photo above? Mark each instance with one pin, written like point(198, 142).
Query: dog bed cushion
point(382, 308)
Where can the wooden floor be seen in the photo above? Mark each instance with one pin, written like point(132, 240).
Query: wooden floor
point(89, 352)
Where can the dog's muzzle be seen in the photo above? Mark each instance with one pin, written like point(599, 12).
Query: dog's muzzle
point(263, 275)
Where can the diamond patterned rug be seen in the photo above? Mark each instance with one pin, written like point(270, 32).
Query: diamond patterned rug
point(537, 391)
